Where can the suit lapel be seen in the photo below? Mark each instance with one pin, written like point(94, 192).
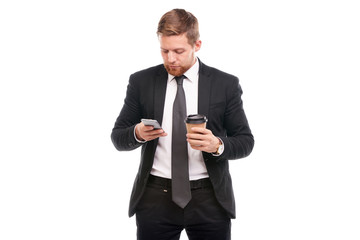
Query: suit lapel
point(159, 94)
point(204, 90)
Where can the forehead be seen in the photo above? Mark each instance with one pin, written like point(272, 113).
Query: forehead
point(174, 42)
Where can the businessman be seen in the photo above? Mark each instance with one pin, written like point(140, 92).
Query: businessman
point(183, 181)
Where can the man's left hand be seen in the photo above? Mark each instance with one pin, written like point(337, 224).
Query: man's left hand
point(203, 139)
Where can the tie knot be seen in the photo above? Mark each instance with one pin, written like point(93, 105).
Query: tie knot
point(180, 79)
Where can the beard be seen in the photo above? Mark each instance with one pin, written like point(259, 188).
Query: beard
point(177, 71)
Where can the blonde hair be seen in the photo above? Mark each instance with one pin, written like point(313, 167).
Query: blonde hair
point(177, 22)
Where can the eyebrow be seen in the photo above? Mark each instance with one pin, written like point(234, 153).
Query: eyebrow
point(176, 49)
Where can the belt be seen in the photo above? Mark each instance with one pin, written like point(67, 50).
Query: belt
point(165, 182)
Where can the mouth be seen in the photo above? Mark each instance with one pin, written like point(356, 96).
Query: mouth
point(173, 69)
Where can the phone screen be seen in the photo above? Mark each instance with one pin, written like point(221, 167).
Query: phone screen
point(151, 122)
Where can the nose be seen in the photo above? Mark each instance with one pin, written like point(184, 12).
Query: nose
point(171, 56)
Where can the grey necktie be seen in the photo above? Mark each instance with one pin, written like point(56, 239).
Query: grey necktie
point(181, 193)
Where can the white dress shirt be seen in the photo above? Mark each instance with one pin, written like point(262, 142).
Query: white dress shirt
point(162, 158)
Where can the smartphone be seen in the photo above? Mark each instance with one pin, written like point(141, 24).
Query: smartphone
point(151, 122)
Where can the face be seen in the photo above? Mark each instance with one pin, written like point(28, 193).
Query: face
point(177, 53)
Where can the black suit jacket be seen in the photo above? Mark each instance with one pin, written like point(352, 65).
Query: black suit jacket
point(219, 99)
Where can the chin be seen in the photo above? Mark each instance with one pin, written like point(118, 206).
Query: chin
point(175, 71)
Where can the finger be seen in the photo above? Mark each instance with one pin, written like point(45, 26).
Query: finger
point(196, 136)
point(200, 130)
point(147, 128)
point(200, 148)
point(155, 132)
point(197, 143)
point(150, 135)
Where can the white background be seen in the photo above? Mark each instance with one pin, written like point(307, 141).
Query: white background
point(64, 68)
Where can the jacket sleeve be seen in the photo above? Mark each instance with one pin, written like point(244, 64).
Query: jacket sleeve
point(122, 134)
point(236, 135)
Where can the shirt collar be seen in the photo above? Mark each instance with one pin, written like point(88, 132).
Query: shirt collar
point(191, 74)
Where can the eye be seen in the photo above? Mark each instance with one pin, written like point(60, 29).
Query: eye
point(164, 50)
point(179, 51)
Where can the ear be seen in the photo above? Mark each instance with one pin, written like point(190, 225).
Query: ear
point(197, 45)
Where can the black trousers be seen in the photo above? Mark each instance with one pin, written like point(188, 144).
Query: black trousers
point(159, 218)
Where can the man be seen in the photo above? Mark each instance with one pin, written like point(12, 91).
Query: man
point(206, 204)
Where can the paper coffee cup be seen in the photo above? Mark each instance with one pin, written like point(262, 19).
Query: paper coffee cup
point(195, 120)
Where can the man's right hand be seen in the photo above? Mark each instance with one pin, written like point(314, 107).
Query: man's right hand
point(147, 133)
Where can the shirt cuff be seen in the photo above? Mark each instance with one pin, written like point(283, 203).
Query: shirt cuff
point(221, 150)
